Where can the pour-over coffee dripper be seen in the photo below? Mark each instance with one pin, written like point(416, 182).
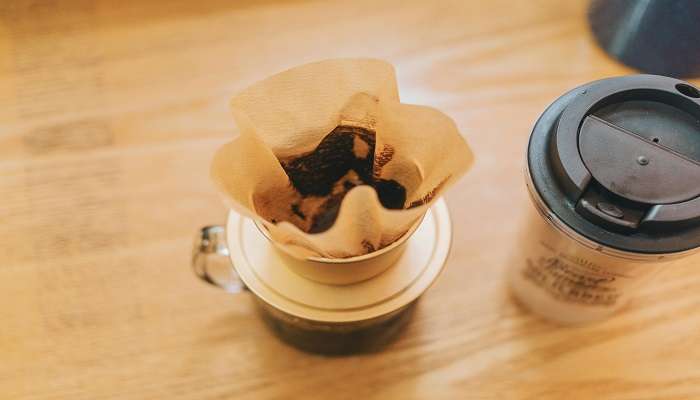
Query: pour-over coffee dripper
point(322, 305)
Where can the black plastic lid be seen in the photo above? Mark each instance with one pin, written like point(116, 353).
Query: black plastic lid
point(618, 160)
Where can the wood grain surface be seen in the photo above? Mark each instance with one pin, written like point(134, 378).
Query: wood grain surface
point(109, 114)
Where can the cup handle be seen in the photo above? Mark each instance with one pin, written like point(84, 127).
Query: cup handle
point(210, 248)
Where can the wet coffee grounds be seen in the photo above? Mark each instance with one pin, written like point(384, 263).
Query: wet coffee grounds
point(322, 177)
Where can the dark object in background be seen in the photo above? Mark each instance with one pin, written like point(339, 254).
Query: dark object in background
point(655, 36)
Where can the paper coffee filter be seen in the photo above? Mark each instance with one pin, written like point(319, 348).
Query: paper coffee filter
point(292, 111)
point(290, 115)
point(428, 151)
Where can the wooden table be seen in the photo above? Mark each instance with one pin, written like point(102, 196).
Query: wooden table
point(109, 114)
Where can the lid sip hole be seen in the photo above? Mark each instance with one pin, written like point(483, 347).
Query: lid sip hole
point(688, 90)
point(655, 140)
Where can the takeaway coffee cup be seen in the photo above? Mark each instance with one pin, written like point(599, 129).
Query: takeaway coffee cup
point(330, 306)
point(613, 171)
